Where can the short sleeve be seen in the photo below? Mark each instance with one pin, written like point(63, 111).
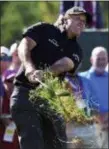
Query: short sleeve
point(74, 52)
point(35, 32)
point(77, 60)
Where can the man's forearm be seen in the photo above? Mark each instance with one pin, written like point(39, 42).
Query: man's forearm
point(25, 56)
point(63, 65)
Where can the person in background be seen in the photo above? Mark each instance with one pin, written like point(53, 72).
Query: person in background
point(93, 7)
point(54, 46)
point(7, 78)
point(1, 100)
point(84, 95)
point(98, 78)
point(4, 62)
point(1, 95)
point(5, 59)
point(9, 74)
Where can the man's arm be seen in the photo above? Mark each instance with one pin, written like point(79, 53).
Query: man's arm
point(63, 65)
point(24, 52)
point(24, 49)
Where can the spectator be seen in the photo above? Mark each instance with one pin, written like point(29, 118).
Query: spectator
point(1, 100)
point(93, 7)
point(1, 94)
point(5, 59)
point(45, 45)
point(82, 90)
point(8, 77)
point(98, 78)
point(4, 64)
point(97, 75)
point(10, 73)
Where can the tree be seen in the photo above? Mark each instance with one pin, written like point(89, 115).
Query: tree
point(18, 15)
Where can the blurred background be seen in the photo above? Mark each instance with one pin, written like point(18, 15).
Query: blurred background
point(15, 16)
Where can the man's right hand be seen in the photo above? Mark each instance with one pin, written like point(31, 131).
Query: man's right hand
point(34, 76)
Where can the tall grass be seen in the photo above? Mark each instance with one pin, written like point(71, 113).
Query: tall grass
point(56, 98)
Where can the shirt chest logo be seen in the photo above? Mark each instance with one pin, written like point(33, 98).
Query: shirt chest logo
point(54, 42)
point(76, 57)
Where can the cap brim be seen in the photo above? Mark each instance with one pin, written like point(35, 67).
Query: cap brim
point(88, 16)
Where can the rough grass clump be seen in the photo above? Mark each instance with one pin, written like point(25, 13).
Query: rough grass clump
point(56, 98)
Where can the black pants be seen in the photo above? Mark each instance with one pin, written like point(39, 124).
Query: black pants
point(37, 129)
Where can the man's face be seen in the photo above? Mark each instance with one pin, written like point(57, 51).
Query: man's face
point(100, 61)
point(76, 24)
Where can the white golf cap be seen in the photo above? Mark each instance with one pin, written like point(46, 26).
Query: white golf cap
point(4, 50)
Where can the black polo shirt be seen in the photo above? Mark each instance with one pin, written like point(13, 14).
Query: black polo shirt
point(52, 45)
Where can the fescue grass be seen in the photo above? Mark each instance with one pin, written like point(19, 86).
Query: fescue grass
point(59, 99)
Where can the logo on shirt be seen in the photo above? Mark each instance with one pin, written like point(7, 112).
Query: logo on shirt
point(76, 57)
point(54, 42)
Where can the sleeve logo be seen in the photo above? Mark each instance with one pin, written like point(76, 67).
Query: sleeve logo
point(76, 57)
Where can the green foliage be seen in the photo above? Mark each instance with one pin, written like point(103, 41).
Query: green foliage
point(58, 99)
point(15, 16)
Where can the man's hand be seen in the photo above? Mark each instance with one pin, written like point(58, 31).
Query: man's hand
point(34, 75)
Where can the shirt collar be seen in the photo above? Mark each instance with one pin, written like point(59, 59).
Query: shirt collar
point(64, 33)
point(92, 70)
